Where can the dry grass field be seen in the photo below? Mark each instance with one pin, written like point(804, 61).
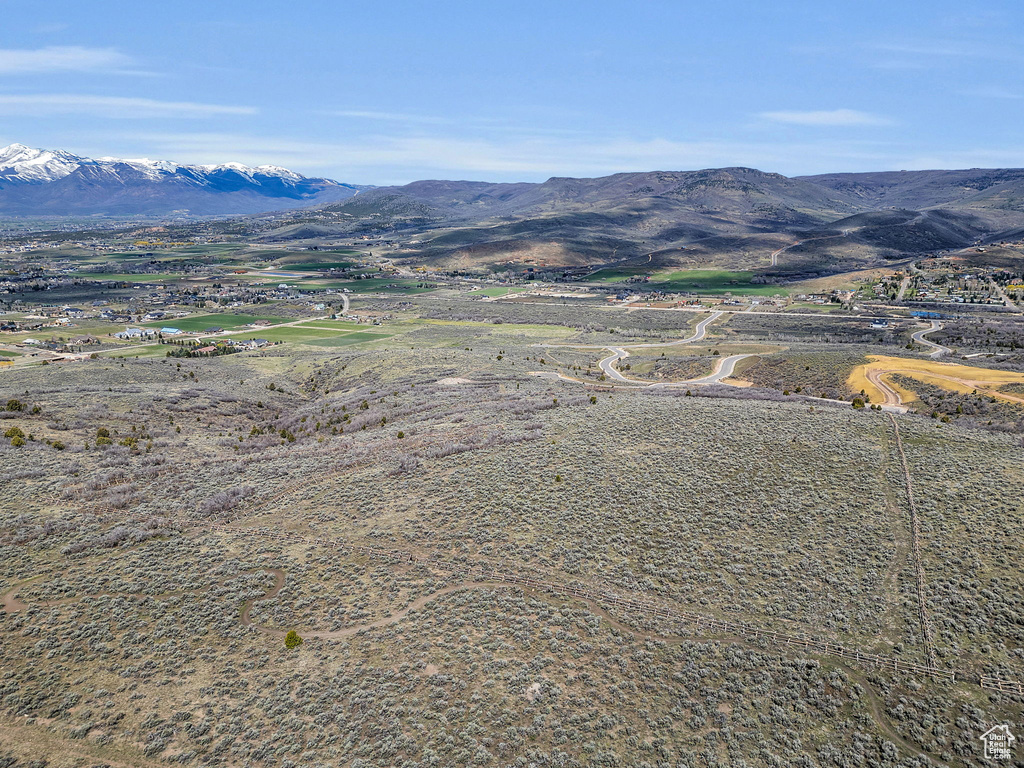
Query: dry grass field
point(132, 635)
point(954, 377)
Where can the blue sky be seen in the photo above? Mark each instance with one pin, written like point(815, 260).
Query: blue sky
point(382, 93)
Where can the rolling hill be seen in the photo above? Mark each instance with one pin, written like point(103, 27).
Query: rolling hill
point(733, 217)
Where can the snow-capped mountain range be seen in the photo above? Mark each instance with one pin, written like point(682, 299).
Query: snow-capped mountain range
point(55, 182)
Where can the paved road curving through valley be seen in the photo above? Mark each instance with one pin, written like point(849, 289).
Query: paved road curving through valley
point(607, 364)
point(919, 337)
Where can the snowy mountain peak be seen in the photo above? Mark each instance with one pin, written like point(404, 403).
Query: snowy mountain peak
point(21, 163)
point(55, 181)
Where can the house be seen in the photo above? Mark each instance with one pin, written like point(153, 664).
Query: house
point(879, 324)
point(214, 329)
point(207, 350)
point(133, 333)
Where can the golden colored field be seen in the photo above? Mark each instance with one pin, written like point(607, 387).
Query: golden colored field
point(874, 378)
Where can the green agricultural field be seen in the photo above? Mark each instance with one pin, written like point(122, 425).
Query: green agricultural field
point(373, 284)
point(227, 321)
point(292, 333)
point(341, 325)
point(311, 266)
point(713, 281)
point(127, 278)
point(143, 350)
point(498, 291)
point(9, 353)
point(617, 274)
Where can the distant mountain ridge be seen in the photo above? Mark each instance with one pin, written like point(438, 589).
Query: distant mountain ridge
point(694, 217)
point(56, 182)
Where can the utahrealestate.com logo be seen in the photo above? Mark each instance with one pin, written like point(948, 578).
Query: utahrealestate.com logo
point(998, 742)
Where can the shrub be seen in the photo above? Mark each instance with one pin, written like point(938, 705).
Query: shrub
point(292, 639)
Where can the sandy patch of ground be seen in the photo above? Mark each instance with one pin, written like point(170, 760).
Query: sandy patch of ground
point(875, 379)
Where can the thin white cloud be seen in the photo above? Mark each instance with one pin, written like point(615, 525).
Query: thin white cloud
point(400, 159)
point(69, 58)
point(391, 117)
point(992, 92)
point(827, 118)
point(117, 107)
point(50, 28)
point(949, 49)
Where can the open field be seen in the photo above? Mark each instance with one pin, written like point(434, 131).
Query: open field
point(617, 274)
point(371, 284)
point(699, 281)
point(491, 567)
point(499, 291)
point(962, 379)
point(713, 281)
point(128, 277)
point(349, 338)
point(225, 320)
point(314, 266)
point(732, 508)
point(341, 325)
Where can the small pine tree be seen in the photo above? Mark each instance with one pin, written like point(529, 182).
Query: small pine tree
point(292, 639)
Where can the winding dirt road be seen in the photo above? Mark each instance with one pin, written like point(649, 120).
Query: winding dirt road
point(775, 254)
point(892, 397)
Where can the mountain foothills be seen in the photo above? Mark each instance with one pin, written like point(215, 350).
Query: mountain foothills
point(728, 217)
point(55, 182)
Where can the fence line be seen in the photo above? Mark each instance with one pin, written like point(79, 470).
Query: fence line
point(1006, 686)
